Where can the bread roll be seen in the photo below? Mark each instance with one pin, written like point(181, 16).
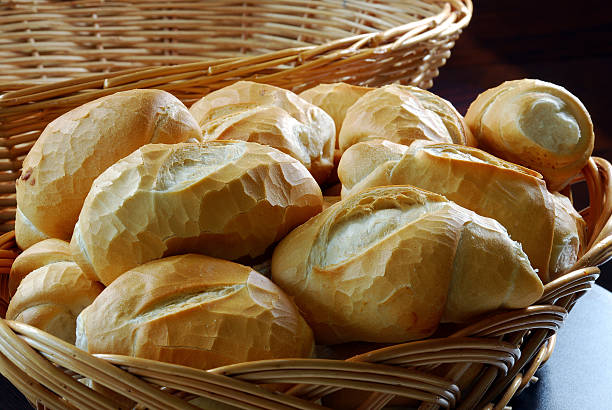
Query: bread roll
point(76, 147)
point(401, 114)
point(196, 311)
point(514, 196)
point(335, 99)
point(271, 116)
point(389, 263)
point(362, 158)
point(568, 239)
point(227, 199)
point(453, 121)
point(51, 297)
point(38, 255)
point(536, 124)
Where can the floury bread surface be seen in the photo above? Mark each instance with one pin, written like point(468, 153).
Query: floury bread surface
point(453, 121)
point(335, 99)
point(536, 124)
point(51, 297)
point(513, 195)
point(403, 114)
point(196, 311)
point(76, 147)
point(228, 199)
point(569, 237)
point(388, 264)
point(271, 116)
point(36, 256)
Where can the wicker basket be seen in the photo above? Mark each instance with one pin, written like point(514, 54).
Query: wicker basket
point(94, 48)
point(56, 55)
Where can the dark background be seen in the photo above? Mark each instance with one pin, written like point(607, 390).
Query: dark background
point(563, 42)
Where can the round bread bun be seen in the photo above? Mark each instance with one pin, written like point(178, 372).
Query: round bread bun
point(38, 255)
point(228, 199)
point(513, 195)
point(271, 116)
point(392, 113)
point(335, 99)
point(77, 146)
point(537, 124)
point(51, 297)
point(569, 237)
point(196, 311)
point(453, 121)
point(389, 263)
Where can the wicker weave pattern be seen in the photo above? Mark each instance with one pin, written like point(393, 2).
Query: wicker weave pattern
point(54, 40)
point(42, 42)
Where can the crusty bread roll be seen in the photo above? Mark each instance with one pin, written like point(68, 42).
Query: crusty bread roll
point(453, 121)
point(402, 114)
point(569, 236)
point(271, 116)
point(196, 311)
point(536, 124)
point(227, 199)
point(361, 159)
point(36, 256)
point(513, 195)
point(335, 99)
point(51, 297)
point(389, 263)
point(76, 147)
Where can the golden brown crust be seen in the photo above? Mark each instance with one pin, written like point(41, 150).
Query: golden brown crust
point(196, 311)
point(51, 297)
point(513, 195)
point(392, 113)
point(335, 99)
point(387, 264)
point(38, 255)
point(536, 124)
point(271, 116)
point(76, 147)
point(453, 121)
point(227, 199)
point(569, 237)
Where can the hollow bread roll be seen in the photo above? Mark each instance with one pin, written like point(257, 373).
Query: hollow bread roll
point(402, 114)
point(389, 263)
point(513, 195)
point(271, 116)
point(569, 236)
point(196, 311)
point(335, 99)
point(77, 146)
point(51, 297)
point(227, 199)
point(536, 124)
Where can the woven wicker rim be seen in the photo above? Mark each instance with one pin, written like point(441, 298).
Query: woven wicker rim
point(48, 41)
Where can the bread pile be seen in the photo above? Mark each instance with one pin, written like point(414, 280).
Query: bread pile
point(164, 209)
